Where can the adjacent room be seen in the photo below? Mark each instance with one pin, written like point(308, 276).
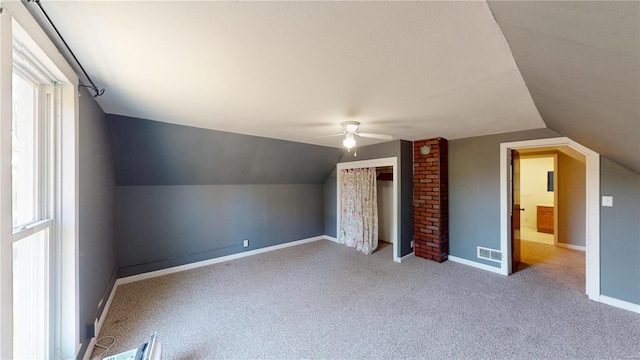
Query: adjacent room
point(551, 197)
point(241, 180)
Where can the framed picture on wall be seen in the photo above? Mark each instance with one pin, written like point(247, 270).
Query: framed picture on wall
point(549, 180)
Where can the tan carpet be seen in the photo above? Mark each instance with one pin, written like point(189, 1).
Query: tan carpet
point(323, 300)
point(565, 266)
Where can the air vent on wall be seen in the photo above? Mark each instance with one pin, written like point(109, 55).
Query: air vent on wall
point(489, 254)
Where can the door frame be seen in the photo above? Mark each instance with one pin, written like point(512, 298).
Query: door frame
point(390, 161)
point(592, 208)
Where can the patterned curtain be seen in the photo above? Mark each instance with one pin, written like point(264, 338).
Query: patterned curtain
point(359, 209)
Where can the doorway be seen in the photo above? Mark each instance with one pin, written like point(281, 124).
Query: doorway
point(551, 199)
point(590, 217)
point(391, 162)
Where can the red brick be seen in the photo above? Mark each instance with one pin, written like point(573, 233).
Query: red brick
point(430, 177)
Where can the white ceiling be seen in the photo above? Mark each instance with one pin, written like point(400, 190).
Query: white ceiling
point(296, 70)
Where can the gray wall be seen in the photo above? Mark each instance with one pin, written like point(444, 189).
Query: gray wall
point(97, 253)
point(154, 153)
point(165, 226)
point(474, 191)
point(404, 151)
point(474, 210)
point(620, 232)
point(330, 205)
point(186, 194)
point(572, 192)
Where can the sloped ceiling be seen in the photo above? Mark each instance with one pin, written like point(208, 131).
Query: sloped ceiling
point(581, 63)
point(149, 152)
point(296, 70)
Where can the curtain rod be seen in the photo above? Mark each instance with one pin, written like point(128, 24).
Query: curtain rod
point(93, 87)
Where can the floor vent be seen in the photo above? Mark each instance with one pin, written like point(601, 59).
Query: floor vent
point(490, 254)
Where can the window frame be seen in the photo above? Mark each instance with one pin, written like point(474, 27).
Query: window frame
point(17, 22)
point(45, 140)
point(44, 144)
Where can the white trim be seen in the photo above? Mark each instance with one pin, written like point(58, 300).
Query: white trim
point(32, 37)
point(78, 348)
point(92, 345)
point(571, 246)
point(592, 207)
point(105, 311)
point(620, 303)
point(505, 200)
point(30, 229)
point(175, 269)
point(331, 238)
point(67, 225)
point(474, 264)
point(103, 316)
point(406, 257)
point(6, 257)
point(389, 161)
point(46, 52)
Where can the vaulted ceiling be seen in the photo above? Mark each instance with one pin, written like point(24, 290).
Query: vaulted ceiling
point(581, 63)
point(296, 70)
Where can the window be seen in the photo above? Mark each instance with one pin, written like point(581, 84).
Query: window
point(32, 212)
point(39, 295)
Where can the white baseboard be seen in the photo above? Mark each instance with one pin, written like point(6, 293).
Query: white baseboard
point(92, 344)
point(103, 316)
point(475, 264)
point(175, 269)
point(570, 246)
point(620, 303)
point(77, 352)
point(331, 238)
point(406, 257)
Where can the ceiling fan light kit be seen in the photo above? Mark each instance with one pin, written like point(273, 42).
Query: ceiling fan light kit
point(350, 127)
point(349, 141)
point(350, 131)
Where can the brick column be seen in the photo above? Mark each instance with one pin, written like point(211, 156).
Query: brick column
point(431, 200)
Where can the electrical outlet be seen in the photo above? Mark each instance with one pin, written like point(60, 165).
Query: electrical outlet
point(245, 243)
point(607, 201)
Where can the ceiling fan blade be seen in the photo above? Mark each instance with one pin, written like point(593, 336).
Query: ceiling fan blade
point(326, 136)
point(375, 136)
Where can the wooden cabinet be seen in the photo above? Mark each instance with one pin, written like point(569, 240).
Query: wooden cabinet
point(545, 219)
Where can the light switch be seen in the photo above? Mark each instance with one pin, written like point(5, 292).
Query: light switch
point(607, 201)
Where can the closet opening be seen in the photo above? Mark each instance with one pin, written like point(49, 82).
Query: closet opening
point(387, 194)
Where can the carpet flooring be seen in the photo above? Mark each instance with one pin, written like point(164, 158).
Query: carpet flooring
point(324, 300)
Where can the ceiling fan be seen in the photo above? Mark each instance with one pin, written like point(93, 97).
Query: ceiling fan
point(350, 131)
